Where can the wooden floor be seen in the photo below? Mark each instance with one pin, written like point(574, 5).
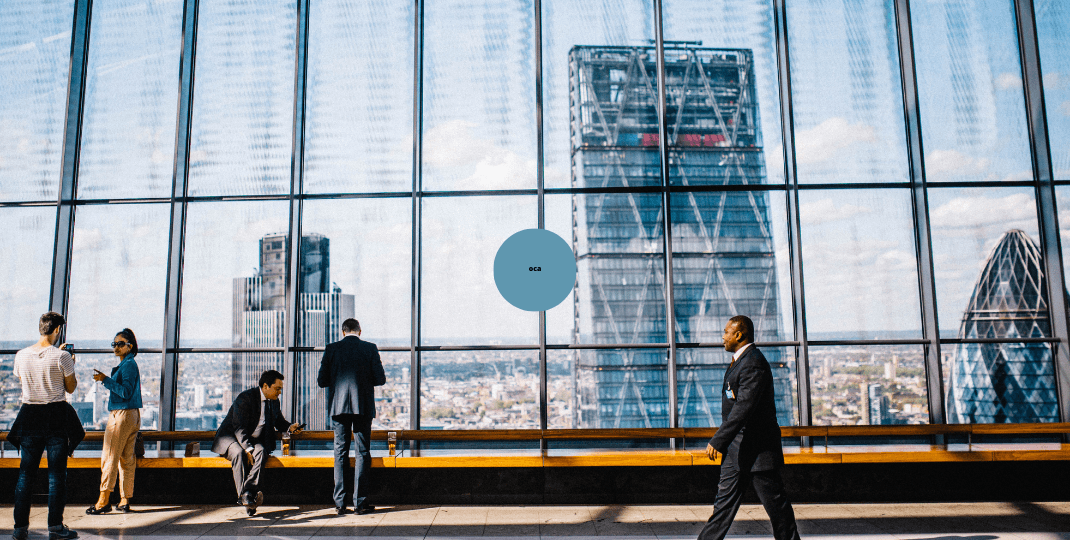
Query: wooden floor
point(943, 521)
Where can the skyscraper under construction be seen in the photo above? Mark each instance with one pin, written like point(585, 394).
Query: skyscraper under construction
point(723, 251)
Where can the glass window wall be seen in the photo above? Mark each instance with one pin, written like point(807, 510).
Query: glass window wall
point(726, 204)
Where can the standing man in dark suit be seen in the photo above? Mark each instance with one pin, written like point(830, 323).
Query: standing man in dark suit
point(749, 438)
point(350, 371)
point(248, 431)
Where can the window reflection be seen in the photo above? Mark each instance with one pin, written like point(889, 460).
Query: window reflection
point(242, 125)
point(360, 49)
point(26, 272)
point(860, 261)
point(847, 101)
point(128, 133)
point(736, 45)
point(479, 91)
point(460, 303)
point(567, 24)
point(970, 90)
point(35, 54)
point(118, 274)
point(1053, 36)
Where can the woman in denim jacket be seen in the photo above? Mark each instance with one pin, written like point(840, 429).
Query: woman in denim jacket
point(117, 458)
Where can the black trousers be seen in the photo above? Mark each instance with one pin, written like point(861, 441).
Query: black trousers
point(246, 477)
point(730, 490)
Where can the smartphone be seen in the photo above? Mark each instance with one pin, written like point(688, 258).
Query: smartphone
point(69, 348)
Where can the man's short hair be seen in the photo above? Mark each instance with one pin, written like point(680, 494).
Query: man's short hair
point(50, 322)
point(269, 377)
point(350, 326)
point(745, 325)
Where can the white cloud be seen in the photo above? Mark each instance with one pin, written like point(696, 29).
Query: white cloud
point(479, 163)
point(1053, 80)
point(1008, 80)
point(826, 210)
point(825, 140)
point(946, 162)
point(1013, 211)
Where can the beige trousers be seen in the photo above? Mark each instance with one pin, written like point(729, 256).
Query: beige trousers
point(117, 459)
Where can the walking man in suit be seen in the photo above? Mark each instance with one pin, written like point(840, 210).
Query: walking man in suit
point(749, 438)
point(248, 432)
point(350, 371)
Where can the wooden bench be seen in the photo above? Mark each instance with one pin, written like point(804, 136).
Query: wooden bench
point(823, 453)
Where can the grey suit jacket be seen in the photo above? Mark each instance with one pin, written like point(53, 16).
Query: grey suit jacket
point(350, 371)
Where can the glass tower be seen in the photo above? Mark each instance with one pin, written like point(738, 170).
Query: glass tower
point(1005, 382)
point(722, 241)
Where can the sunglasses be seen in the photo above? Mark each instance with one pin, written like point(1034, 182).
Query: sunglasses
point(119, 344)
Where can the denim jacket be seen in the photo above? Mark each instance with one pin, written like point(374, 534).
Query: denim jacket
point(125, 385)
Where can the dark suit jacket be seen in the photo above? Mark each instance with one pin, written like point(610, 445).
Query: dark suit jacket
point(350, 371)
point(749, 429)
point(241, 421)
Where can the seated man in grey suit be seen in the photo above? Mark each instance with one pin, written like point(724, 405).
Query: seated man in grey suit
point(249, 430)
point(350, 371)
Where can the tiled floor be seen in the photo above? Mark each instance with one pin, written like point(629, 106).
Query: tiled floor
point(915, 521)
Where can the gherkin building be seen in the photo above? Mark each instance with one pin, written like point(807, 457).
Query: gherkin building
point(1005, 382)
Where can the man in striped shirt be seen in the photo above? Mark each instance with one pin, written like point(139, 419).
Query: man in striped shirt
point(47, 375)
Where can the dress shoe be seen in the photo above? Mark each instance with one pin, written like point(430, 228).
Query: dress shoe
point(124, 508)
point(366, 509)
point(93, 510)
point(61, 532)
point(250, 507)
point(20, 533)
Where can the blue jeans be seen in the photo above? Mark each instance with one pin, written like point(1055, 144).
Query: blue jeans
point(361, 427)
point(32, 448)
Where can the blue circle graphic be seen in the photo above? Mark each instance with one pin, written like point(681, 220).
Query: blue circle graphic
point(535, 269)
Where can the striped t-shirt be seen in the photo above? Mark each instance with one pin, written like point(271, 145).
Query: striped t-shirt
point(41, 370)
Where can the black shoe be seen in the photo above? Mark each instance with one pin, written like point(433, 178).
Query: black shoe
point(20, 533)
point(124, 508)
point(250, 507)
point(93, 510)
point(61, 532)
point(340, 510)
point(366, 509)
